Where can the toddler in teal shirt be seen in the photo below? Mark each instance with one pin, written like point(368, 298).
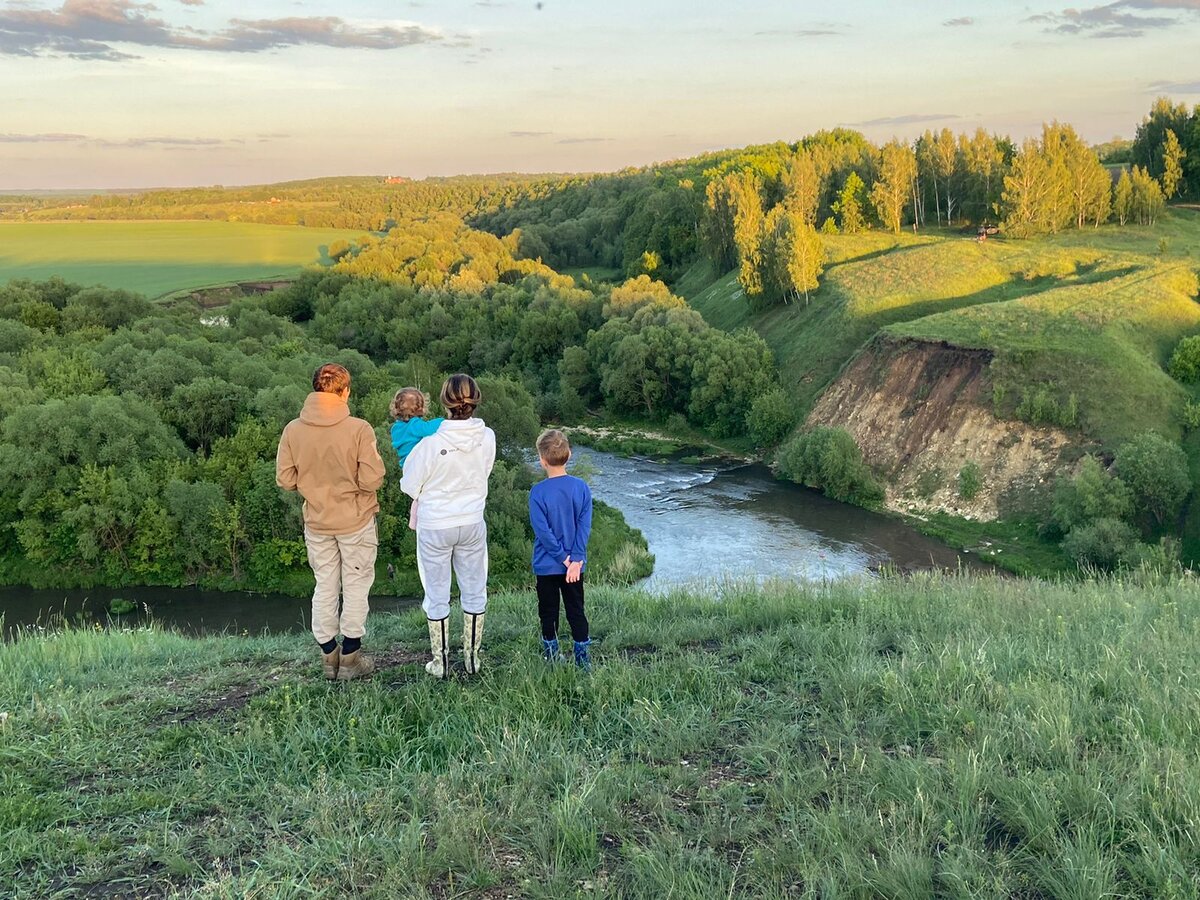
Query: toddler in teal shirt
point(408, 409)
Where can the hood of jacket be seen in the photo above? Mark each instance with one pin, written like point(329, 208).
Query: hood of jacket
point(463, 435)
point(323, 409)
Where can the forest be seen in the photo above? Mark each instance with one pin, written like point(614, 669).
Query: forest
point(137, 441)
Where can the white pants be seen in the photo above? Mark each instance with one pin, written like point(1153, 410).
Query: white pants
point(343, 564)
point(463, 549)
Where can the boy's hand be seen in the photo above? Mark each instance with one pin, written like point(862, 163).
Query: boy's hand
point(574, 572)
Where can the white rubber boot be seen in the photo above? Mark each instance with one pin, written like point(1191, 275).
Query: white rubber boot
point(439, 645)
point(472, 639)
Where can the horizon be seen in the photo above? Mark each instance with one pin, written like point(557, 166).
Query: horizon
point(190, 93)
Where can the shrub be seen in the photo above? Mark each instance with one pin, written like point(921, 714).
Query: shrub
point(1104, 544)
point(970, 480)
point(1092, 494)
point(771, 417)
point(1041, 407)
point(1185, 361)
point(828, 459)
point(1156, 470)
point(1190, 415)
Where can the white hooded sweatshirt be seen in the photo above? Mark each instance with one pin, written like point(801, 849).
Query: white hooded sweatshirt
point(448, 473)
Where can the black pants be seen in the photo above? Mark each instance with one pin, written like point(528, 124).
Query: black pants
point(549, 588)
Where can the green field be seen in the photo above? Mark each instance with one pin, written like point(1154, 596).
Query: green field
point(161, 257)
point(1094, 312)
point(934, 737)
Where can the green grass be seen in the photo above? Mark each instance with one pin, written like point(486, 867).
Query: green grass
point(158, 258)
point(899, 738)
point(596, 273)
point(1094, 312)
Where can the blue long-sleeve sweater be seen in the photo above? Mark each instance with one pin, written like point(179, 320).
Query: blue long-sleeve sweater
point(560, 510)
point(405, 435)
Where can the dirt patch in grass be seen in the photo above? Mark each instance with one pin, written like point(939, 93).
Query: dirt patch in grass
point(395, 657)
point(231, 699)
point(636, 650)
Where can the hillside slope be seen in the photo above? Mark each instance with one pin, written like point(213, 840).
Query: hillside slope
point(1068, 338)
point(899, 738)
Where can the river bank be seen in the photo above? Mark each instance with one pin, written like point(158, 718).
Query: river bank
point(1014, 546)
point(886, 737)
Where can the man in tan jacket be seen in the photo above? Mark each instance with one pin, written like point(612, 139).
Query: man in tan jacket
point(332, 459)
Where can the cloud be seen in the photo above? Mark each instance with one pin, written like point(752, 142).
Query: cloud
point(152, 141)
point(1121, 19)
point(252, 35)
point(959, 22)
point(51, 138)
point(530, 134)
point(1174, 87)
point(88, 29)
point(591, 140)
point(800, 32)
point(171, 142)
point(909, 119)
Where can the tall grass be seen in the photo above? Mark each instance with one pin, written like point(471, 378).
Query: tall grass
point(903, 738)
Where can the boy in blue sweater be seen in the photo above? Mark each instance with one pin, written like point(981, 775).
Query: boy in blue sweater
point(560, 509)
point(408, 409)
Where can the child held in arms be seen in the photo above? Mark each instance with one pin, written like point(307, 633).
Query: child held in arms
point(560, 509)
point(408, 409)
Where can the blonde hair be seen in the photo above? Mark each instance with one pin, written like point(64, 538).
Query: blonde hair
point(553, 447)
point(409, 403)
point(331, 379)
point(460, 396)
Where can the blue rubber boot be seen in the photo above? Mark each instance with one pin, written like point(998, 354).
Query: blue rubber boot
point(581, 655)
point(550, 652)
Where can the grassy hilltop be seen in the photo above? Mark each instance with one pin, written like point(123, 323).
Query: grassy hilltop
point(1094, 312)
point(894, 738)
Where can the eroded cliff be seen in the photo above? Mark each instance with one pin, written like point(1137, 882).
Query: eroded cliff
point(921, 412)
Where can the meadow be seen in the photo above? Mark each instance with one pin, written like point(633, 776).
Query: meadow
point(901, 738)
point(157, 258)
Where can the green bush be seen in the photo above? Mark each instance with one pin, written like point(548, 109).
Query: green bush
point(771, 417)
point(1156, 470)
point(1191, 415)
point(1185, 361)
point(970, 480)
point(1040, 407)
point(829, 459)
point(1092, 494)
point(1104, 544)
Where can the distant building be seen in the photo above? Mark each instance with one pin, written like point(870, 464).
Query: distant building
point(396, 179)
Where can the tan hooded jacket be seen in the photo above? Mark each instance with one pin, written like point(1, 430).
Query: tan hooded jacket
point(332, 459)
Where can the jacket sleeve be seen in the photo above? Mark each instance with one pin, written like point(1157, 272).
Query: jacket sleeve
point(423, 428)
point(370, 463)
point(583, 527)
point(415, 474)
point(542, 531)
point(285, 464)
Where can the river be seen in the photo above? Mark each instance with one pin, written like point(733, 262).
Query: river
point(705, 523)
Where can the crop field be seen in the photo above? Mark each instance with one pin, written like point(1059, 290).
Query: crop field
point(159, 257)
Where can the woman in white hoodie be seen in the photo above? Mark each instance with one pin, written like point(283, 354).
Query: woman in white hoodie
point(448, 473)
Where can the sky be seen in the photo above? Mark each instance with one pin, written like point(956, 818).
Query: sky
point(129, 94)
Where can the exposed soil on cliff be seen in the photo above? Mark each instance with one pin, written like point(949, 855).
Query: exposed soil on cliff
point(921, 412)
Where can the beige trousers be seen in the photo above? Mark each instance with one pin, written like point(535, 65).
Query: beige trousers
point(343, 564)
